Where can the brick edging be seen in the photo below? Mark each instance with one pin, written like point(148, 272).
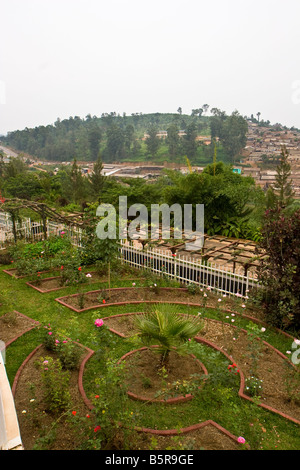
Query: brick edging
point(172, 401)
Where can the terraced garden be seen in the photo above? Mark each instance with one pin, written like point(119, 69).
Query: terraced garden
point(235, 387)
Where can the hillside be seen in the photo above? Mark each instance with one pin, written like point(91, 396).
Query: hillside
point(157, 137)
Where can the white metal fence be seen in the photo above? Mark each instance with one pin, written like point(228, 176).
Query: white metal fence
point(29, 230)
point(182, 268)
point(188, 270)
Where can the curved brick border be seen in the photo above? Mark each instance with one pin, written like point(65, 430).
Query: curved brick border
point(242, 383)
point(241, 392)
point(65, 304)
point(45, 291)
point(35, 324)
point(193, 427)
point(90, 352)
point(172, 401)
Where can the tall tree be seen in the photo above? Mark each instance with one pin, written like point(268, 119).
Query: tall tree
point(189, 140)
point(96, 179)
point(234, 134)
point(94, 138)
point(173, 140)
point(152, 141)
point(281, 196)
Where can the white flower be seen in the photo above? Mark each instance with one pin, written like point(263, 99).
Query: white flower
point(219, 300)
point(232, 320)
point(243, 306)
point(88, 275)
point(133, 284)
point(32, 399)
point(24, 411)
point(297, 341)
point(288, 352)
point(233, 314)
point(263, 329)
point(204, 295)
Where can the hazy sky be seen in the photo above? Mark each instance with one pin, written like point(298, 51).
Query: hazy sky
point(61, 58)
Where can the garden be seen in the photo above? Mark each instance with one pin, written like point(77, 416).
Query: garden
point(101, 356)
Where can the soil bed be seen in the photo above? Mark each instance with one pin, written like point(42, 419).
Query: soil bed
point(124, 295)
point(33, 416)
point(13, 324)
point(50, 284)
point(208, 437)
point(146, 382)
point(272, 367)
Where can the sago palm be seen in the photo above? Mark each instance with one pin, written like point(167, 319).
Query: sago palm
point(167, 330)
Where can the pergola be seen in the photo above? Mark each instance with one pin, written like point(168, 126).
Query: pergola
point(236, 253)
point(12, 206)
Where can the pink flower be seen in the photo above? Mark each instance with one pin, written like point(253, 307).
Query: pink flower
point(241, 440)
point(99, 322)
point(50, 333)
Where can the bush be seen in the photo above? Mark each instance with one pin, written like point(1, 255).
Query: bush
point(279, 273)
point(55, 384)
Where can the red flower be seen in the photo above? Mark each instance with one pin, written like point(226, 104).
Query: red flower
point(97, 428)
point(61, 267)
point(74, 413)
point(79, 269)
point(103, 301)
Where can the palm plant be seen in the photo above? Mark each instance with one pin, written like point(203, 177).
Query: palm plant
point(167, 330)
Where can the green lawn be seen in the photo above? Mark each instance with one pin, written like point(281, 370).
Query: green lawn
point(218, 401)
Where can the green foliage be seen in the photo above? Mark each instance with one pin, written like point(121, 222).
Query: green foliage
point(55, 384)
point(167, 329)
point(279, 272)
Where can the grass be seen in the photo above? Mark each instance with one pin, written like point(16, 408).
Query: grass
point(219, 400)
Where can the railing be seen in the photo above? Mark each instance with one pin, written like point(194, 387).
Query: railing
point(189, 270)
point(10, 438)
point(34, 231)
point(182, 268)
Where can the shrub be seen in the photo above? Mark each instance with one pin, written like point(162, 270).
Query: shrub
point(279, 273)
point(167, 329)
point(55, 384)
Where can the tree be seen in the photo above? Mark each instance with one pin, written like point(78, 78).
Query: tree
point(128, 138)
point(279, 272)
point(94, 138)
point(96, 179)
point(173, 140)
point(152, 141)
point(115, 143)
point(282, 194)
point(74, 184)
point(233, 134)
point(167, 329)
point(189, 140)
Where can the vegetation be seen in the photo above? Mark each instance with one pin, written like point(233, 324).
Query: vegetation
point(165, 328)
point(121, 138)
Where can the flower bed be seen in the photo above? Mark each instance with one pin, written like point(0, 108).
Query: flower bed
point(125, 295)
point(144, 382)
point(273, 367)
